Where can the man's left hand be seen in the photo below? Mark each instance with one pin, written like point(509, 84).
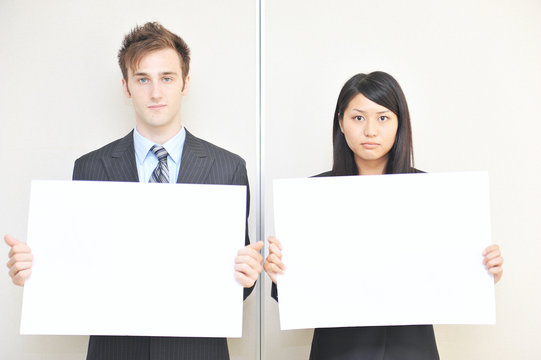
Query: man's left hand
point(248, 264)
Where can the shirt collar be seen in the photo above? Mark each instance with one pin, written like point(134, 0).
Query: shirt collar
point(173, 146)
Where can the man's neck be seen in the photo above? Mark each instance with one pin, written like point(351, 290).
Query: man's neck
point(159, 135)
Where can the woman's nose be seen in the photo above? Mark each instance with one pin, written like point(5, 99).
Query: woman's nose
point(370, 128)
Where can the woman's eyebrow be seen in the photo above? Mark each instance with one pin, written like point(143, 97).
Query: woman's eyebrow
point(364, 112)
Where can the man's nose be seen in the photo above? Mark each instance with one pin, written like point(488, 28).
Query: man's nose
point(156, 91)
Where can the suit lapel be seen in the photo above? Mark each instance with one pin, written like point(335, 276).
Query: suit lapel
point(196, 162)
point(120, 165)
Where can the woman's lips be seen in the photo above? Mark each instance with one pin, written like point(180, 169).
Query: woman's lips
point(369, 145)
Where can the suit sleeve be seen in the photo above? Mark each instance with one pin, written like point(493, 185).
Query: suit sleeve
point(274, 291)
point(77, 171)
point(240, 177)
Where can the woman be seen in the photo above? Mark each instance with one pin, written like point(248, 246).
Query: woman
point(372, 136)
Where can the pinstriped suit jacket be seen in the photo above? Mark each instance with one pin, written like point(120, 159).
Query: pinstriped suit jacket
point(202, 163)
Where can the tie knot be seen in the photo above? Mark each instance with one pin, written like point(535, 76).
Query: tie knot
point(160, 152)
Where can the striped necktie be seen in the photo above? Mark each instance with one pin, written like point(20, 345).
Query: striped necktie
point(161, 172)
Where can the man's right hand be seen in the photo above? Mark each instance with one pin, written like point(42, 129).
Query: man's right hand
point(20, 260)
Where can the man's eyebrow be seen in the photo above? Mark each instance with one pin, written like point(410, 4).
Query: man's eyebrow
point(161, 74)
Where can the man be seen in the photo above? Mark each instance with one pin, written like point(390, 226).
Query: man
point(155, 69)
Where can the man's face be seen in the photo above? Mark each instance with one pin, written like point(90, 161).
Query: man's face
point(156, 88)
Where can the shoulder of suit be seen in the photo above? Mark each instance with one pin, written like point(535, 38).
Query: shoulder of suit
point(127, 141)
point(106, 150)
point(216, 151)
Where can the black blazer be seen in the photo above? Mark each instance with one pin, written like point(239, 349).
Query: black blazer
point(412, 342)
point(202, 163)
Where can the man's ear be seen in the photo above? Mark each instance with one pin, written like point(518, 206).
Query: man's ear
point(125, 88)
point(186, 86)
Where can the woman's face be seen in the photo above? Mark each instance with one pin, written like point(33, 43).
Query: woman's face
point(370, 131)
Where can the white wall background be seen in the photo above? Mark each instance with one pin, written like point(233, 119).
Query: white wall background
point(471, 71)
point(62, 97)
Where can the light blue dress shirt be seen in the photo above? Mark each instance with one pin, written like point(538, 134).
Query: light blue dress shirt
point(147, 161)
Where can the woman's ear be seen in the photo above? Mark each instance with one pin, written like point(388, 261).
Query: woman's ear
point(341, 123)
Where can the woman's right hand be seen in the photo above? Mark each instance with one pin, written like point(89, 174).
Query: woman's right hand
point(273, 262)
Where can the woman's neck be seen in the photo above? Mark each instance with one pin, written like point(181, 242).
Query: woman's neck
point(372, 167)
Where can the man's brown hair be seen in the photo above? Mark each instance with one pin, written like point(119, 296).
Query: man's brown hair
point(148, 38)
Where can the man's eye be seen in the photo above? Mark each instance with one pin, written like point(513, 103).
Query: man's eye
point(142, 81)
point(167, 79)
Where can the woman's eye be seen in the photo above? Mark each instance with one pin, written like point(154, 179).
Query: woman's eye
point(358, 117)
point(383, 118)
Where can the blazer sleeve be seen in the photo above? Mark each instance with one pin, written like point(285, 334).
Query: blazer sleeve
point(240, 177)
point(77, 171)
point(274, 292)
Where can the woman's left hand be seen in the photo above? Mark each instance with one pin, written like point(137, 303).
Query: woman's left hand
point(494, 261)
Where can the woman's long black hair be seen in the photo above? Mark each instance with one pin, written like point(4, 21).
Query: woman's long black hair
point(384, 90)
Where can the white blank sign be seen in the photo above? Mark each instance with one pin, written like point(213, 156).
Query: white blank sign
point(114, 258)
point(384, 250)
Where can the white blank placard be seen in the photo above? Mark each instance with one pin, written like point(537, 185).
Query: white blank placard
point(118, 258)
point(384, 250)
